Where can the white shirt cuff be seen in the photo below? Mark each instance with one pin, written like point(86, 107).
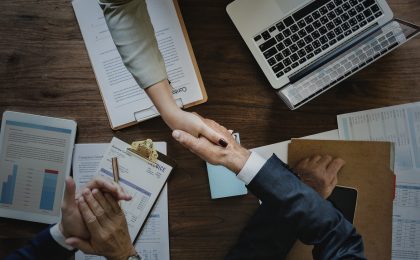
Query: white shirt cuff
point(59, 237)
point(252, 166)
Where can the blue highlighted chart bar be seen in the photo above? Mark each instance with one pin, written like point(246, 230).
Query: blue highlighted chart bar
point(8, 187)
point(48, 189)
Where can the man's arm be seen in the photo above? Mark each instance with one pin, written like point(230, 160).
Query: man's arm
point(50, 243)
point(42, 246)
point(314, 219)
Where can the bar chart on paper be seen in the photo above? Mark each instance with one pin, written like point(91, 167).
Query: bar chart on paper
point(29, 189)
point(8, 187)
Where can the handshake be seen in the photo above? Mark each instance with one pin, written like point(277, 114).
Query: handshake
point(93, 221)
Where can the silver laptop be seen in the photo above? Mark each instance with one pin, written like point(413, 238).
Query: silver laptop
point(305, 47)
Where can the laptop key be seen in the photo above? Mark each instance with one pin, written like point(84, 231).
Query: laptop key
point(272, 29)
point(270, 52)
point(279, 37)
point(294, 28)
point(286, 53)
point(266, 35)
point(330, 25)
point(301, 43)
point(294, 48)
point(325, 46)
point(287, 62)
point(280, 26)
point(370, 19)
point(294, 37)
point(355, 28)
point(301, 53)
point(281, 73)
point(278, 67)
point(288, 42)
point(287, 69)
point(287, 33)
point(302, 23)
point(309, 56)
point(302, 60)
point(280, 46)
point(272, 61)
point(257, 38)
point(323, 39)
point(323, 10)
point(375, 8)
point(279, 57)
point(294, 57)
point(288, 21)
point(378, 14)
point(368, 3)
point(317, 51)
point(268, 44)
point(316, 15)
point(294, 65)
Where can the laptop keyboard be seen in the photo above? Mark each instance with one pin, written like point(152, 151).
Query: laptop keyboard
point(312, 29)
point(332, 73)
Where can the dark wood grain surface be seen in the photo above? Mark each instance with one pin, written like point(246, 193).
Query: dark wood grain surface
point(44, 69)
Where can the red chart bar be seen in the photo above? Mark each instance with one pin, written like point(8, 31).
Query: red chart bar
point(51, 171)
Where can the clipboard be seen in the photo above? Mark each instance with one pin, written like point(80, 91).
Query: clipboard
point(124, 102)
point(140, 177)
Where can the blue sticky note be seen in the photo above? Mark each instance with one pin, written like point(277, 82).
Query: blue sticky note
point(223, 182)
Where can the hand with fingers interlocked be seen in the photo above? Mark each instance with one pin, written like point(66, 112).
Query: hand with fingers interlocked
point(320, 173)
point(72, 223)
point(106, 224)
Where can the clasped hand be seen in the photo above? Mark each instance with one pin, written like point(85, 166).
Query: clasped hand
point(93, 221)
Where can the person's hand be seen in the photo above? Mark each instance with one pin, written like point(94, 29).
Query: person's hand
point(107, 226)
point(72, 223)
point(161, 96)
point(320, 173)
point(193, 124)
point(233, 156)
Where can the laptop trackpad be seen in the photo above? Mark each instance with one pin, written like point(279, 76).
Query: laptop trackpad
point(287, 6)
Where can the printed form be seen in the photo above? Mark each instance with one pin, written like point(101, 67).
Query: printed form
point(401, 125)
point(153, 242)
point(124, 100)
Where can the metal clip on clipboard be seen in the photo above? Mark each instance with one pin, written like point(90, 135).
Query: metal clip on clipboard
point(145, 149)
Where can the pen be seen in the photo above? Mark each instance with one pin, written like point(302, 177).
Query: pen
point(115, 171)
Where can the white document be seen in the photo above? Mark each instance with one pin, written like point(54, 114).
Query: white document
point(401, 125)
point(86, 159)
point(153, 242)
point(35, 158)
point(280, 149)
point(124, 100)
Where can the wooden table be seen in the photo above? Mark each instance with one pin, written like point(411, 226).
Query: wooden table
point(45, 70)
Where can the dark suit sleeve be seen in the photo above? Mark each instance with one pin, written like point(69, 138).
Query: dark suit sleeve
point(42, 246)
point(296, 211)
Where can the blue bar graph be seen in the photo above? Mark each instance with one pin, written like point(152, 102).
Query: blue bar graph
point(48, 190)
point(8, 187)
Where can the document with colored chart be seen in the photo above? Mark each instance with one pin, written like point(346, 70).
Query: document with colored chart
point(401, 125)
point(35, 158)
